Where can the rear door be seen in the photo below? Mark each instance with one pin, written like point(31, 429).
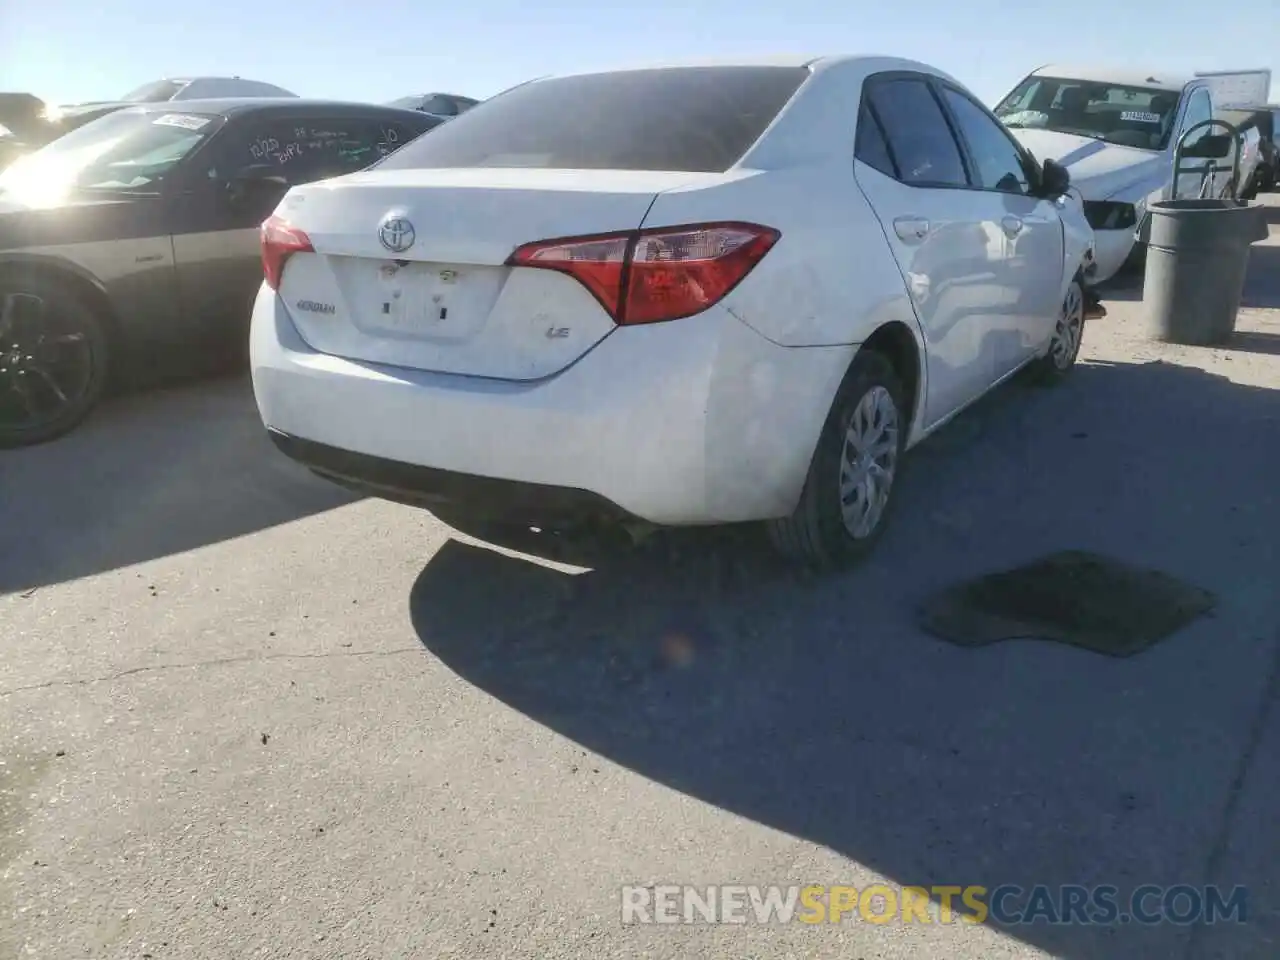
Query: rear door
point(1033, 241)
point(945, 234)
point(216, 245)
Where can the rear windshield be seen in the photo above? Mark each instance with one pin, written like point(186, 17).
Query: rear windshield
point(157, 91)
point(699, 119)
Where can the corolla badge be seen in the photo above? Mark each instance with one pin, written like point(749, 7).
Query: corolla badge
point(396, 234)
point(313, 306)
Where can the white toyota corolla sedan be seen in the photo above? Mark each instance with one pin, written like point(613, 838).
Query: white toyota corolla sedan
point(682, 295)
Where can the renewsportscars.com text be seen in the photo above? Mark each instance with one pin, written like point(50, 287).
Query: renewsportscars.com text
point(1005, 905)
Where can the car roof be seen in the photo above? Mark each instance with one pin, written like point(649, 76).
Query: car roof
point(213, 76)
point(1120, 76)
point(817, 63)
point(235, 106)
point(766, 60)
point(438, 93)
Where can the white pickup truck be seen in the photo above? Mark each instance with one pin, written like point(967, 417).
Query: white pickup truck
point(1115, 131)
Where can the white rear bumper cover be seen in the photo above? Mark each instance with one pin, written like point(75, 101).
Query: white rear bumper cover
point(695, 421)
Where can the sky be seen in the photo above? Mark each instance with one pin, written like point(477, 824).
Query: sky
point(66, 51)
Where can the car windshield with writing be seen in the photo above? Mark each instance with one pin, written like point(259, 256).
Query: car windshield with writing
point(129, 150)
point(1139, 117)
point(699, 119)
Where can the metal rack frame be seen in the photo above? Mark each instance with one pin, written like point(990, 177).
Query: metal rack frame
point(1211, 166)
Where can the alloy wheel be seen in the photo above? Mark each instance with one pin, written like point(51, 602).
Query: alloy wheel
point(46, 365)
point(1066, 336)
point(868, 462)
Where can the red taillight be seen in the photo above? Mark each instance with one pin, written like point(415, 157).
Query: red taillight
point(595, 262)
point(653, 275)
point(279, 242)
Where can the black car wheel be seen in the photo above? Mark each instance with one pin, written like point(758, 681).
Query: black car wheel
point(53, 360)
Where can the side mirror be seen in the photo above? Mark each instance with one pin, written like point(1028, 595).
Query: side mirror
point(1212, 146)
point(1055, 179)
point(255, 182)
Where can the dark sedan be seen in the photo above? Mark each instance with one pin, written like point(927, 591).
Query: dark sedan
point(64, 119)
point(443, 105)
point(139, 232)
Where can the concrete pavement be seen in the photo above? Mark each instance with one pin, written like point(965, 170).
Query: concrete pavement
point(243, 714)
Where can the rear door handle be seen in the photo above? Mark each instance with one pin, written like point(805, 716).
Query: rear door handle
point(1012, 226)
point(911, 229)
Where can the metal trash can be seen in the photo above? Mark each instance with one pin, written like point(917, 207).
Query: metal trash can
point(1197, 255)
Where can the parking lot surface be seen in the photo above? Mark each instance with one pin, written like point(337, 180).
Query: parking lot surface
point(244, 714)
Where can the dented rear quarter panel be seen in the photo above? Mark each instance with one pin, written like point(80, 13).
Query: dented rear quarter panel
point(814, 286)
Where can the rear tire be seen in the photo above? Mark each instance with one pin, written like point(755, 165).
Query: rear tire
point(848, 492)
point(53, 359)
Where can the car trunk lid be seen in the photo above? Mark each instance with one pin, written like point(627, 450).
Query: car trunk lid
point(410, 266)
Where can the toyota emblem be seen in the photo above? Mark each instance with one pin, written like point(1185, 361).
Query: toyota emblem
point(396, 234)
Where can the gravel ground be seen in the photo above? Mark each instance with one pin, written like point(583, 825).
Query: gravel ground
point(243, 714)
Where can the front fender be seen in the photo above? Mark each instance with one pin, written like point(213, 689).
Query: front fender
point(16, 260)
point(134, 281)
point(1150, 186)
point(1077, 238)
point(1141, 185)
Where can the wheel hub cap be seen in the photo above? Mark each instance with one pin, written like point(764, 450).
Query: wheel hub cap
point(868, 462)
point(1066, 337)
point(46, 364)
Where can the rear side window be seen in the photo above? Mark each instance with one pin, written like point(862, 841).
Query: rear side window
point(393, 134)
point(306, 149)
point(871, 147)
point(700, 119)
point(920, 138)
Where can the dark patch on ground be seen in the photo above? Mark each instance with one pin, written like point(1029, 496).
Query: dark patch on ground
point(1073, 597)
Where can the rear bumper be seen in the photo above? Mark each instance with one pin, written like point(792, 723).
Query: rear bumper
point(532, 503)
point(697, 421)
